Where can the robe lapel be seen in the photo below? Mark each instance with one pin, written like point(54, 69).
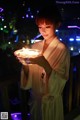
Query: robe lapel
point(51, 47)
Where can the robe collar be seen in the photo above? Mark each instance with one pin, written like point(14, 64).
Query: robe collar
point(51, 47)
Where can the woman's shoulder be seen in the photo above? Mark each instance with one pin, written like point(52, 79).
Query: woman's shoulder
point(63, 45)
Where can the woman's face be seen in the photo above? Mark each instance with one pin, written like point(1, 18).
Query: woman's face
point(47, 30)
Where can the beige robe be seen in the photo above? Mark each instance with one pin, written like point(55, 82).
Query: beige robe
point(49, 106)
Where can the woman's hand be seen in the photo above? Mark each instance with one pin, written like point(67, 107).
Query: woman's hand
point(21, 60)
point(41, 61)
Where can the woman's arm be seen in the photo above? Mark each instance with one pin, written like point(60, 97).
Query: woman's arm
point(41, 61)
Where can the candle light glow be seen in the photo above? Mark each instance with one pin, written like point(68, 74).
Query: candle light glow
point(27, 53)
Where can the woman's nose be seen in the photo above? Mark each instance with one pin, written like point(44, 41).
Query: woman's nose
point(43, 30)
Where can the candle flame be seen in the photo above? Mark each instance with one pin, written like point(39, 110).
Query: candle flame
point(27, 53)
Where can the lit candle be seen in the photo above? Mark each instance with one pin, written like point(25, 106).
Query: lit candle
point(27, 53)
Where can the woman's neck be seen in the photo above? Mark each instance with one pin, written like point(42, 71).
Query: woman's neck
point(46, 43)
point(50, 40)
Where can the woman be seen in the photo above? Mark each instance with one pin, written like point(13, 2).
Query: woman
point(47, 74)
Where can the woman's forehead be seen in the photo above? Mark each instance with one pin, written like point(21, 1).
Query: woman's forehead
point(44, 21)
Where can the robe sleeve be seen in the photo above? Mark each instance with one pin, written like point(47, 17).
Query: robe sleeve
point(60, 71)
point(60, 61)
point(26, 83)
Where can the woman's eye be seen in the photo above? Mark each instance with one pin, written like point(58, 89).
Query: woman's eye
point(47, 26)
point(44, 28)
point(39, 27)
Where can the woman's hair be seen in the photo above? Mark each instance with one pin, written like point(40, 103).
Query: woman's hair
point(49, 14)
